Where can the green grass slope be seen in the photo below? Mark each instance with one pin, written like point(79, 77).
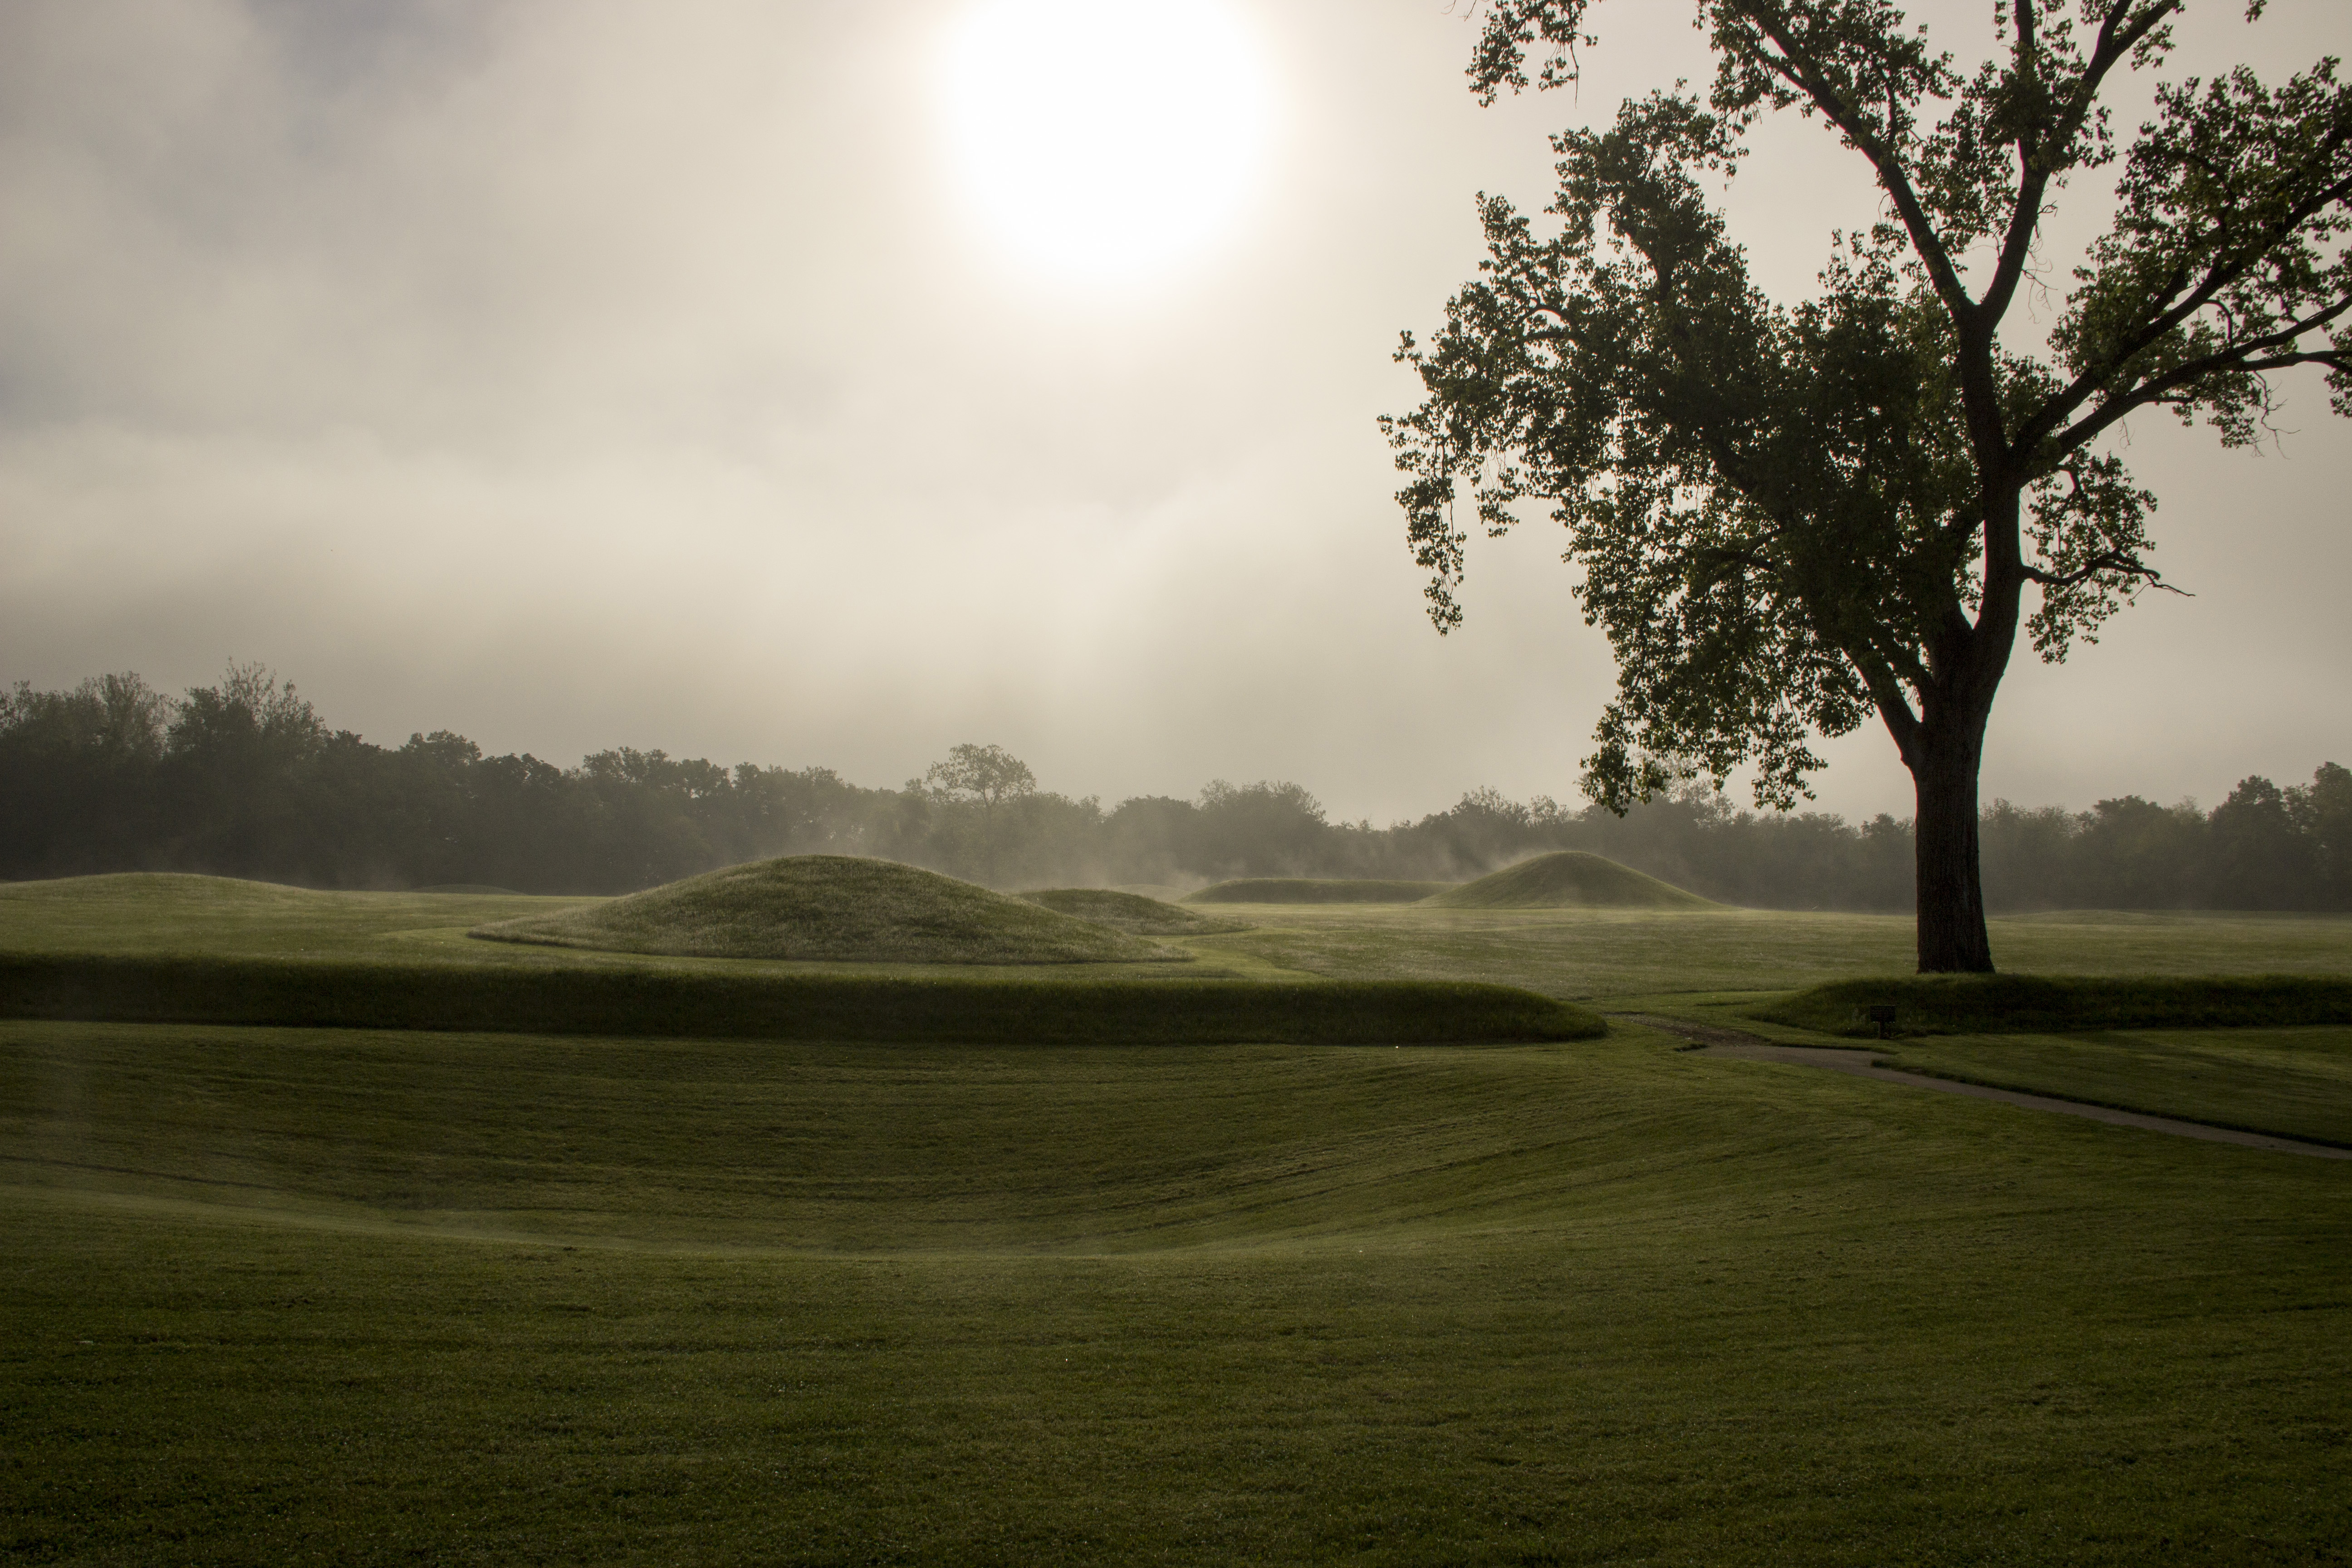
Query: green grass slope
point(1005, 1007)
point(2295, 1082)
point(152, 913)
point(1313, 891)
point(299, 1298)
point(2045, 1004)
point(836, 907)
point(1129, 912)
point(1572, 954)
point(1569, 879)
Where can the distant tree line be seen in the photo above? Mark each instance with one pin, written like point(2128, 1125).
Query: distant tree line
point(244, 778)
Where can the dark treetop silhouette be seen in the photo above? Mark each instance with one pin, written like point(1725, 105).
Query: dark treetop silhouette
point(1789, 517)
point(247, 779)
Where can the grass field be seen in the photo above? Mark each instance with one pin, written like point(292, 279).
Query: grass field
point(1607, 955)
point(351, 1296)
point(2292, 1081)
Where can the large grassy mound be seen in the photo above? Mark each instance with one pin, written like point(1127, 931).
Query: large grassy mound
point(835, 907)
point(1314, 890)
point(1131, 913)
point(2049, 1004)
point(1569, 879)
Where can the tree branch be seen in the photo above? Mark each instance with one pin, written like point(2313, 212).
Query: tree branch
point(2220, 278)
point(1804, 73)
point(2105, 560)
point(2033, 174)
point(1886, 695)
point(2233, 360)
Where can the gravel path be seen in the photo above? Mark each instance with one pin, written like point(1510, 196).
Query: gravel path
point(1712, 1040)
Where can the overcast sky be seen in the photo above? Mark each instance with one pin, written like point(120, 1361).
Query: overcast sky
point(717, 375)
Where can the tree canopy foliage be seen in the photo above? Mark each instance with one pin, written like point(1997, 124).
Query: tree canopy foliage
point(1793, 516)
point(112, 775)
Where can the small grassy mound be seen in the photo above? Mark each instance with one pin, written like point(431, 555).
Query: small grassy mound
point(1569, 879)
point(1314, 890)
point(1004, 1009)
point(1129, 912)
point(835, 907)
point(480, 888)
point(2059, 1003)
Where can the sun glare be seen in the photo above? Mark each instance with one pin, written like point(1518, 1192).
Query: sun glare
point(1104, 141)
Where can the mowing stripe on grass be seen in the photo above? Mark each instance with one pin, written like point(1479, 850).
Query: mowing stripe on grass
point(827, 1006)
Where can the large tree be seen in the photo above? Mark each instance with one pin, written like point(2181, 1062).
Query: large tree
point(1791, 516)
point(988, 777)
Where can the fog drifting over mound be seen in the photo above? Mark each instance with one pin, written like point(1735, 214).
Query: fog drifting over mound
point(589, 374)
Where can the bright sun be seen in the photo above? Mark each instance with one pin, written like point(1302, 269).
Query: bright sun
point(1104, 141)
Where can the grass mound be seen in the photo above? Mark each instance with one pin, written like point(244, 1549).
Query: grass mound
point(1131, 913)
point(1569, 879)
point(2059, 1003)
point(836, 907)
point(1314, 890)
point(1003, 1009)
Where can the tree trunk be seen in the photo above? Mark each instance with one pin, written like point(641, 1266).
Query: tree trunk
point(1952, 938)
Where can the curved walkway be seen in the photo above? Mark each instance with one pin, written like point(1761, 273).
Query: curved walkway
point(1709, 1039)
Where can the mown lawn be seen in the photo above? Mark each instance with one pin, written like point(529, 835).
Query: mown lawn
point(328, 1296)
point(1577, 954)
point(1606, 955)
point(355, 1296)
point(2292, 1081)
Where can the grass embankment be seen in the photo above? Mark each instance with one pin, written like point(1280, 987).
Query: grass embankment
point(803, 1303)
point(1313, 891)
point(836, 907)
point(2049, 1004)
point(775, 1005)
point(152, 913)
point(2260, 1053)
point(203, 948)
point(1569, 879)
point(2296, 1083)
point(1131, 913)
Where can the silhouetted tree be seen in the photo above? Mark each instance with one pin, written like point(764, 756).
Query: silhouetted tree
point(1261, 829)
point(987, 778)
point(2322, 812)
point(246, 779)
point(2253, 853)
point(1789, 518)
point(77, 773)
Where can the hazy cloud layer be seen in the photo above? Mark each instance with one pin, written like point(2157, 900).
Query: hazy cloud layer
point(584, 374)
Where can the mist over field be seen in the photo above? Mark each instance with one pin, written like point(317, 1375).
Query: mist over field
point(579, 376)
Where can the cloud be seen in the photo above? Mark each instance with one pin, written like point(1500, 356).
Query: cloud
point(586, 373)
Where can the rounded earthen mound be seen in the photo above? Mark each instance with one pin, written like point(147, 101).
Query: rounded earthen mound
point(836, 907)
point(1569, 879)
point(1313, 891)
point(1131, 913)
